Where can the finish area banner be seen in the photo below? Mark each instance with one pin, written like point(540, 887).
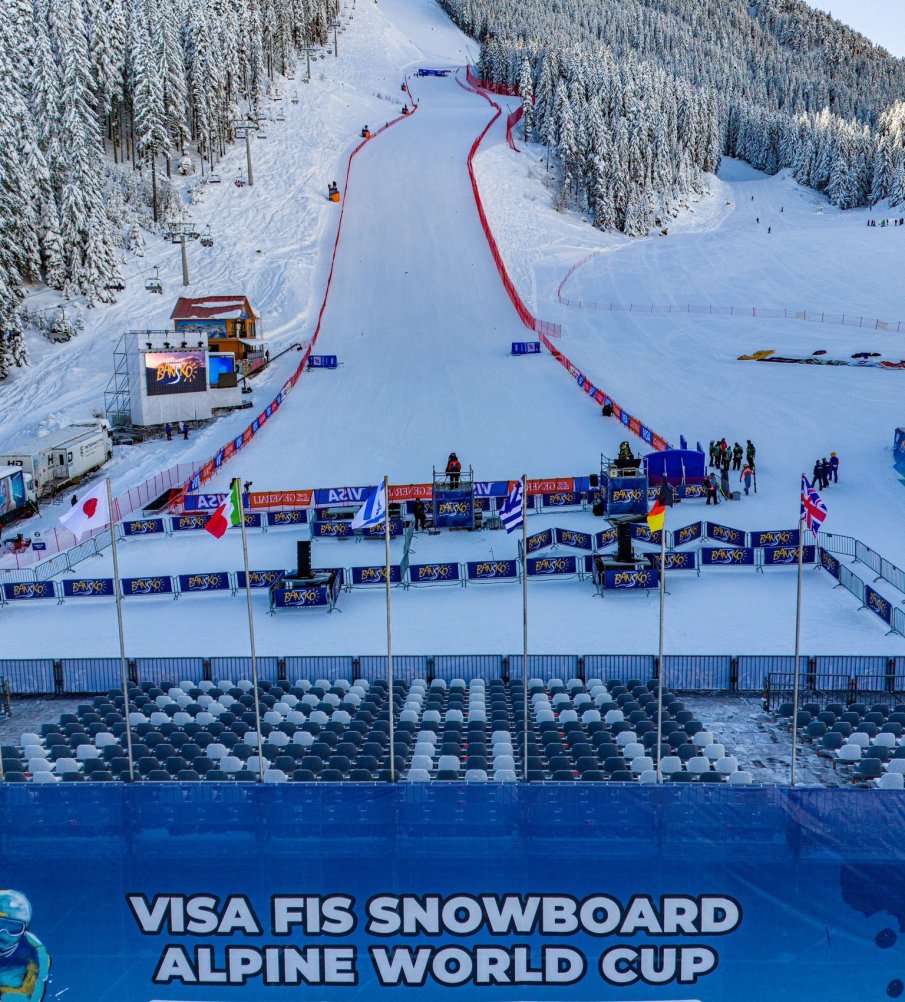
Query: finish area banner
point(547, 892)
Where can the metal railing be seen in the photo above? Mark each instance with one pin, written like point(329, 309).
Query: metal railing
point(824, 687)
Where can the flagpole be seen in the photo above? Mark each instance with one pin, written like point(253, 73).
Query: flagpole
point(662, 667)
point(797, 648)
point(525, 619)
point(386, 537)
point(124, 672)
point(236, 484)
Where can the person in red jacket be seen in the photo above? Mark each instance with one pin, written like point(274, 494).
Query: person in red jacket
point(453, 469)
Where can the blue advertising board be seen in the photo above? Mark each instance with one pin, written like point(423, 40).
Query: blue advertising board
point(350, 496)
point(453, 509)
point(539, 540)
point(577, 540)
point(526, 347)
point(332, 530)
point(774, 537)
point(874, 601)
point(775, 556)
point(491, 570)
point(551, 566)
point(491, 488)
point(376, 575)
point(28, 590)
point(727, 556)
point(607, 537)
point(204, 502)
point(209, 581)
point(322, 361)
point(792, 895)
point(626, 496)
point(144, 527)
point(561, 499)
point(297, 597)
point(258, 579)
point(87, 587)
point(630, 579)
point(379, 531)
point(829, 563)
point(188, 523)
point(687, 534)
point(157, 585)
point(675, 561)
point(433, 573)
point(725, 534)
point(297, 517)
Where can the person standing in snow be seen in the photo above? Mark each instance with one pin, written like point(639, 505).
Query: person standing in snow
point(824, 473)
point(749, 453)
point(745, 478)
point(710, 485)
point(168, 431)
point(712, 454)
point(834, 467)
point(185, 431)
point(453, 470)
point(420, 515)
point(736, 457)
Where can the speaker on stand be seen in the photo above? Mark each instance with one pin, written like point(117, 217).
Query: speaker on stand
point(303, 558)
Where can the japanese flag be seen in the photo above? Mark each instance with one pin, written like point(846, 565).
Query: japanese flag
point(88, 514)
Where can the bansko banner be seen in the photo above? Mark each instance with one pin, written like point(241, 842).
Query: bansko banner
point(626, 496)
point(729, 556)
point(775, 556)
point(144, 527)
point(874, 601)
point(631, 579)
point(491, 570)
point(774, 537)
point(87, 587)
point(725, 534)
point(454, 509)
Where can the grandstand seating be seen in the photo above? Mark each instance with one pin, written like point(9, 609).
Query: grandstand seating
point(864, 742)
point(339, 731)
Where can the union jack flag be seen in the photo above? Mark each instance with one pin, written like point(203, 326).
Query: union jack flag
point(813, 510)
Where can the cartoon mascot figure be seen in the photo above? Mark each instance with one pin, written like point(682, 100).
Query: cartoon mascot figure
point(24, 961)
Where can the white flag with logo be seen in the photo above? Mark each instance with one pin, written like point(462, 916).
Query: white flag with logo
point(511, 514)
point(89, 513)
point(373, 511)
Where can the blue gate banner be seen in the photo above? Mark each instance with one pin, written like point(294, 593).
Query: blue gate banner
point(631, 579)
point(144, 527)
point(87, 587)
point(433, 573)
point(626, 495)
point(253, 520)
point(641, 532)
point(562, 499)
point(724, 534)
point(730, 556)
point(379, 531)
point(298, 517)
point(348, 496)
point(551, 566)
point(776, 555)
point(333, 530)
point(211, 581)
point(453, 509)
point(675, 561)
point(322, 361)
point(159, 585)
point(577, 540)
point(491, 570)
point(491, 488)
point(203, 502)
point(309, 597)
point(258, 579)
point(774, 537)
point(376, 575)
point(751, 897)
point(877, 604)
point(526, 347)
point(23, 590)
point(539, 540)
point(687, 534)
point(829, 563)
point(183, 523)
point(691, 491)
point(605, 538)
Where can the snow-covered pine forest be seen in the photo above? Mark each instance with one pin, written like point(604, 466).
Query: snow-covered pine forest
point(638, 99)
point(98, 98)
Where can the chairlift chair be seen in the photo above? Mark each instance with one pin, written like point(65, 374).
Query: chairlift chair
point(280, 117)
point(115, 286)
point(154, 284)
point(207, 240)
point(240, 180)
point(295, 97)
point(213, 179)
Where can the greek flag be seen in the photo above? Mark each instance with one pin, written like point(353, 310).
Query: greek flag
point(373, 511)
point(511, 513)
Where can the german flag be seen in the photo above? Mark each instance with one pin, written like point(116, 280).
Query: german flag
point(656, 517)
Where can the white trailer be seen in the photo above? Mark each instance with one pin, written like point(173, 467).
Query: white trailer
point(58, 460)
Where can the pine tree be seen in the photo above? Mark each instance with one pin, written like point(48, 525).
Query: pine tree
point(526, 89)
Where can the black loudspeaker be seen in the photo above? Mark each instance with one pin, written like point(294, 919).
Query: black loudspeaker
point(624, 552)
point(607, 410)
point(303, 556)
point(593, 480)
point(598, 509)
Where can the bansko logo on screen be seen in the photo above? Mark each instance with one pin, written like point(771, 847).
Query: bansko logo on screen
point(679, 921)
point(174, 372)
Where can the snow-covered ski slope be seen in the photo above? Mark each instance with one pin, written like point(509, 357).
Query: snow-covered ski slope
point(422, 327)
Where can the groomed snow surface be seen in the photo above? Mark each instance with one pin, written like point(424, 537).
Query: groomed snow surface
point(422, 328)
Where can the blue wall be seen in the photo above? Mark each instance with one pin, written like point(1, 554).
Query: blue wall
point(817, 876)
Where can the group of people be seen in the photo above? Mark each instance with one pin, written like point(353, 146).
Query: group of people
point(721, 455)
point(168, 430)
point(826, 472)
point(886, 222)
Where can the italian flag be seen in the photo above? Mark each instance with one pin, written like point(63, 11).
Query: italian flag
point(227, 514)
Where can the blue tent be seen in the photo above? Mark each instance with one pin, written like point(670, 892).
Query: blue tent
point(679, 466)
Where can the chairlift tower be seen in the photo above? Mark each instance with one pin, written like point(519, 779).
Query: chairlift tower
point(334, 27)
point(244, 127)
point(181, 235)
point(308, 50)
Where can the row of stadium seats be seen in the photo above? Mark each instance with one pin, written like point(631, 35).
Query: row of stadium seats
point(340, 730)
